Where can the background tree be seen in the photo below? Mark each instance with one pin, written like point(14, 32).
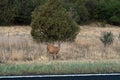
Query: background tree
point(24, 9)
point(81, 11)
point(51, 22)
point(108, 10)
point(7, 12)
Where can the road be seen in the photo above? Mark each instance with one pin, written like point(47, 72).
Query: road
point(65, 77)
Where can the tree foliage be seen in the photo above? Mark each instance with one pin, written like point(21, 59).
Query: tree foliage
point(51, 22)
point(6, 12)
point(17, 11)
point(108, 10)
point(82, 11)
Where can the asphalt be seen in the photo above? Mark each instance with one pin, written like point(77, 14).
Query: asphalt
point(115, 76)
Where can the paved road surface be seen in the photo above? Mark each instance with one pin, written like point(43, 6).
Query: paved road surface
point(65, 77)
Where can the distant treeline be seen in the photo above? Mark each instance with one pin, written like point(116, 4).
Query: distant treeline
point(18, 12)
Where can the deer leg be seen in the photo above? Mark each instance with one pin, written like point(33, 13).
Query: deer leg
point(49, 57)
point(53, 57)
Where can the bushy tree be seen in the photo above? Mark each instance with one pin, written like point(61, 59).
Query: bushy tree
point(51, 22)
point(73, 14)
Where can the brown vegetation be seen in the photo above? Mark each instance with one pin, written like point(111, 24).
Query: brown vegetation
point(19, 46)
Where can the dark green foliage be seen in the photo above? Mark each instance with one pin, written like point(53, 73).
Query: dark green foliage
point(71, 8)
point(83, 14)
point(107, 38)
point(17, 11)
point(73, 14)
point(77, 10)
point(103, 23)
point(115, 20)
point(7, 12)
point(91, 5)
point(81, 11)
point(51, 22)
point(108, 10)
point(23, 10)
point(100, 10)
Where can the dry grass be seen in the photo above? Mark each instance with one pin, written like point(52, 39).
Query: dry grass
point(16, 44)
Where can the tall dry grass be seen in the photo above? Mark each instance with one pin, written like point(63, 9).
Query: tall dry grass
point(16, 44)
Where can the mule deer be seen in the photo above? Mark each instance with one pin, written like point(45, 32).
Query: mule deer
point(53, 50)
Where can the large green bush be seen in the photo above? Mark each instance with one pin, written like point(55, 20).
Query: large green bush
point(74, 14)
point(51, 22)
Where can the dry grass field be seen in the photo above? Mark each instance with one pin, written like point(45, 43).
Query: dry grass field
point(16, 44)
point(21, 55)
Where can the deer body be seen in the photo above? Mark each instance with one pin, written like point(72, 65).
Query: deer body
point(53, 50)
